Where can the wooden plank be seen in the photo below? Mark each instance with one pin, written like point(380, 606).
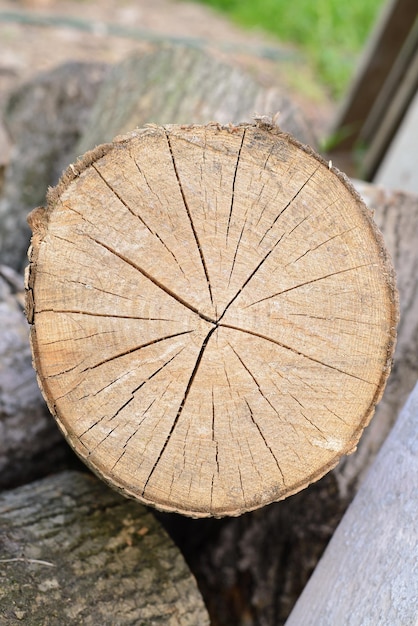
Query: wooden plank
point(379, 58)
point(369, 572)
point(389, 111)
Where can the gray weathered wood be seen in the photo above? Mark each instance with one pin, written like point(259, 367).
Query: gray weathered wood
point(175, 84)
point(44, 119)
point(369, 572)
point(74, 552)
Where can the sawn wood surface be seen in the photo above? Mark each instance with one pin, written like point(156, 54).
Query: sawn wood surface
point(213, 315)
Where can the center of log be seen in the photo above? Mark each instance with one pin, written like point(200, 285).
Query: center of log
point(213, 315)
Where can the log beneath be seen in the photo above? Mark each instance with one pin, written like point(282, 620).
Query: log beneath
point(213, 315)
point(369, 572)
point(74, 552)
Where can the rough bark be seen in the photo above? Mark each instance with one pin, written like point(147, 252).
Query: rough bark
point(211, 332)
point(377, 538)
point(44, 118)
point(74, 552)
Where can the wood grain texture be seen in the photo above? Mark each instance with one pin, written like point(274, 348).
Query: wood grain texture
point(369, 572)
point(396, 215)
point(74, 552)
point(213, 315)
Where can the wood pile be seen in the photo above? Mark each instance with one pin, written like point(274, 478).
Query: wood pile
point(252, 567)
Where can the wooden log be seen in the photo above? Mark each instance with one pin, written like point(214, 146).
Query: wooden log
point(158, 84)
point(237, 568)
point(74, 552)
point(211, 333)
point(44, 118)
point(177, 84)
point(368, 574)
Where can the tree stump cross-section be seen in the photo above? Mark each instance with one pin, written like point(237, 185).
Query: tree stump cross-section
point(213, 315)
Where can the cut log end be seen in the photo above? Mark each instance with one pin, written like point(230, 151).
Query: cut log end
point(214, 315)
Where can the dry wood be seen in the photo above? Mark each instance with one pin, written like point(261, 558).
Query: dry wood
point(396, 215)
point(368, 574)
point(213, 315)
point(74, 552)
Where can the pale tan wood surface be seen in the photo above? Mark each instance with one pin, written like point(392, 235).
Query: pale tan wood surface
point(396, 215)
point(368, 574)
point(213, 315)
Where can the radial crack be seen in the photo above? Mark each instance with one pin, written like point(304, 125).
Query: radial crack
point(236, 250)
point(153, 280)
point(253, 273)
point(107, 315)
point(233, 186)
point(288, 205)
point(189, 215)
point(139, 217)
point(60, 341)
point(321, 244)
point(88, 286)
point(247, 369)
point(119, 197)
point(214, 440)
point(297, 352)
point(136, 349)
point(308, 282)
point(254, 421)
point(131, 436)
point(182, 403)
point(144, 382)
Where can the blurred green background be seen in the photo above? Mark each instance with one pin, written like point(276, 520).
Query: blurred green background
point(331, 33)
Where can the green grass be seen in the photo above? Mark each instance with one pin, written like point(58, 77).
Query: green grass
point(331, 33)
